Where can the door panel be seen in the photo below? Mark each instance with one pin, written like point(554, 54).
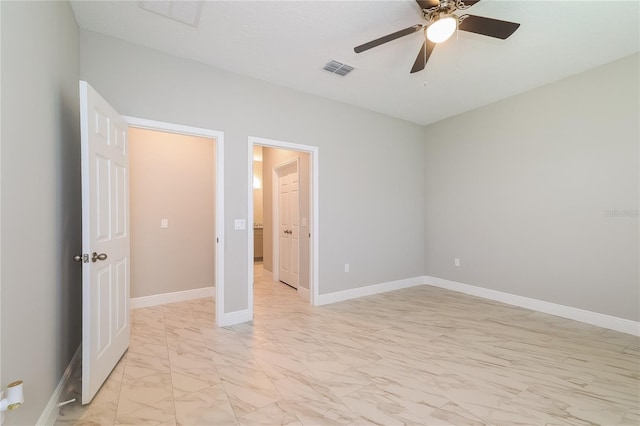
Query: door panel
point(103, 283)
point(103, 208)
point(120, 198)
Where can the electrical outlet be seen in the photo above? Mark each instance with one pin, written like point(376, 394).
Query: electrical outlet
point(456, 261)
point(346, 267)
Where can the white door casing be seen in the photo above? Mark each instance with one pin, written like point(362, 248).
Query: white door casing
point(105, 231)
point(289, 225)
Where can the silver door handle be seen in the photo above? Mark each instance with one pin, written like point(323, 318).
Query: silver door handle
point(95, 256)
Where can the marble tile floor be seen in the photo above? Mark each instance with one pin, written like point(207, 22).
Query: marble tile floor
point(418, 356)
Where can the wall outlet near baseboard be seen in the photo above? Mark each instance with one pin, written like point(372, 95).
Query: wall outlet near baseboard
point(456, 262)
point(346, 267)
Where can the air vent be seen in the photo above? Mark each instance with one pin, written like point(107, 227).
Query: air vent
point(185, 11)
point(338, 68)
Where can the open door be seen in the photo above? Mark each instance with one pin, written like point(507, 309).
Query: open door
point(105, 239)
point(288, 223)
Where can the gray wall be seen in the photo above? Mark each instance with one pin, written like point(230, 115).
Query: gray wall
point(172, 178)
point(538, 194)
point(371, 166)
point(40, 178)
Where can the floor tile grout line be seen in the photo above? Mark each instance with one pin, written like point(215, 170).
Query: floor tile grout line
point(173, 396)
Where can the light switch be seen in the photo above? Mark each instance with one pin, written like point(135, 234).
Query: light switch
point(240, 224)
point(164, 223)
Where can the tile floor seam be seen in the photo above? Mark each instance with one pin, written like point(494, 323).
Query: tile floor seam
point(115, 415)
point(171, 377)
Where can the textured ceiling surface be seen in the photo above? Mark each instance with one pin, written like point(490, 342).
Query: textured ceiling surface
point(288, 43)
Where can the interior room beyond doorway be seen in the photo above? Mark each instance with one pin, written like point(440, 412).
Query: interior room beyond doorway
point(281, 215)
point(172, 196)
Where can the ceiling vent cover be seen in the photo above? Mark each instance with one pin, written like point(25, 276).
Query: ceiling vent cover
point(184, 11)
point(338, 68)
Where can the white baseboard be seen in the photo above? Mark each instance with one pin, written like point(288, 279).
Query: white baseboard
point(338, 296)
point(589, 317)
point(164, 298)
point(232, 318)
point(303, 293)
point(52, 409)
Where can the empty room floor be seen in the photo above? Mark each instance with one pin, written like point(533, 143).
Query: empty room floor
point(422, 355)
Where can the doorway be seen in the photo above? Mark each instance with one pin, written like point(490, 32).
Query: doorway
point(217, 235)
point(280, 161)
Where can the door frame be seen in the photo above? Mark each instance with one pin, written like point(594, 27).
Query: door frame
point(275, 203)
point(218, 236)
point(314, 222)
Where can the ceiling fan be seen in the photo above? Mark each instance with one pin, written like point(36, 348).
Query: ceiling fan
point(441, 23)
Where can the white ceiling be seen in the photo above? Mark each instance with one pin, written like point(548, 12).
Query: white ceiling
point(288, 43)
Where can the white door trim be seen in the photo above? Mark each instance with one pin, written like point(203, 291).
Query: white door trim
point(275, 203)
point(314, 221)
point(219, 196)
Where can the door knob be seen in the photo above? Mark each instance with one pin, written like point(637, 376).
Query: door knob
point(95, 256)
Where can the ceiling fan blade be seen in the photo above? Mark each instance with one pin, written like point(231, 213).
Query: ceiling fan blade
point(387, 38)
point(423, 55)
point(488, 26)
point(427, 4)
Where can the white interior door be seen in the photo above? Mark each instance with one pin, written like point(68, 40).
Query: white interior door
point(105, 239)
point(294, 235)
point(285, 257)
point(289, 228)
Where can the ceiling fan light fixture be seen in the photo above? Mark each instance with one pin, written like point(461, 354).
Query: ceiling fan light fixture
point(442, 28)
